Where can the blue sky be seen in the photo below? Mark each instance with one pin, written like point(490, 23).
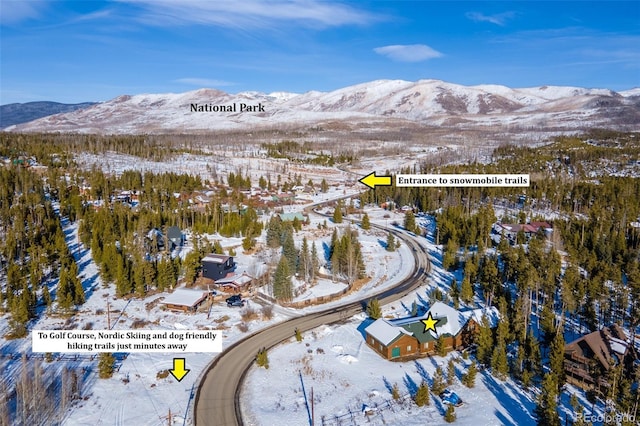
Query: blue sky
point(74, 51)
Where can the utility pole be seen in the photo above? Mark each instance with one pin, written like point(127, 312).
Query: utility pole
point(313, 417)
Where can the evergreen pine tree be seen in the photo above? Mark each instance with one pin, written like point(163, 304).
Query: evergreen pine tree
point(469, 378)
point(455, 291)
point(391, 242)
point(138, 277)
point(466, 292)
point(485, 342)
point(337, 214)
point(556, 358)
point(304, 263)
point(502, 332)
point(105, 365)
point(282, 286)
point(366, 224)
point(123, 283)
point(324, 186)
point(78, 291)
point(450, 414)
point(414, 309)
point(261, 358)
point(547, 322)
point(438, 386)
point(274, 231)
point(547, 404)
point(499, 362)
point(190, 266)
point(533, 356)
point(421, 397)
point(46, 296)
point(409, 221)
point(63, 294)
point(289, 250)
point(373, 309)
point(449, 254)
point(451, 372)
point(217, 247)
point(315, 261)
point(395, 392)
point(441, 348)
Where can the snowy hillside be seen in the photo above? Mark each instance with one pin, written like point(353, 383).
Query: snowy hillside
point(429, 102)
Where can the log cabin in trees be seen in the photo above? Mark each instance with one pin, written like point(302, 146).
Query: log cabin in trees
point(408, 337)
point(588, 359)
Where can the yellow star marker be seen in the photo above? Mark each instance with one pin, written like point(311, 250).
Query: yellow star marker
point(430, 323)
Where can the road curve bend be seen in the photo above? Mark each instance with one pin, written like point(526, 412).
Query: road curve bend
point(217, 401)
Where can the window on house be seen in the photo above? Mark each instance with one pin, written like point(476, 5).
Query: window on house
point(408, 348)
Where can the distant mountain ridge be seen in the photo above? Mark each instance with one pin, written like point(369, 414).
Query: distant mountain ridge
point(428, 102)
point(19, 113)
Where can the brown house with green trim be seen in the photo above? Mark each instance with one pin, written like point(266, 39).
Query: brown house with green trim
point(404, 337)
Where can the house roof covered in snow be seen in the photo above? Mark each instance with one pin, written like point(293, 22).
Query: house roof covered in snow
point(287, 217)
point(450, 321)
point(215, 258)
point(605, 345)
point(385, 332)
point(185, 297)
point(236, 280)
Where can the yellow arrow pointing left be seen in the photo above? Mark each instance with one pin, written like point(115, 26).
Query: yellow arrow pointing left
point(371, 180)
point(178, 369)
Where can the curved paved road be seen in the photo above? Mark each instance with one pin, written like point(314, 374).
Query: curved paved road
point(217, 401)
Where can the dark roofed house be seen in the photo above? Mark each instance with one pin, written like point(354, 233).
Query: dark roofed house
point(175, 237)
point(589, 356)
point(217, 266)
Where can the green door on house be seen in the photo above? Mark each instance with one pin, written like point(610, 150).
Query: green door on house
point(395, 352)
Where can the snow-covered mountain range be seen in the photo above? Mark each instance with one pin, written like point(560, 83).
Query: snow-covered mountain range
point(428, 102)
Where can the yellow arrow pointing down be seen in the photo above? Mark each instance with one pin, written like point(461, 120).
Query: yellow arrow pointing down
point(178, 369)
point(371, 180)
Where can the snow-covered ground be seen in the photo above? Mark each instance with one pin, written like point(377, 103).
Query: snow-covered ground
point(347, 375)
point(138, 393)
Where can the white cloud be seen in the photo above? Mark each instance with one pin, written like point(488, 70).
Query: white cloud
point(15, 11)
point(498, 18)
point(204, 82)
point(408, 52)
point(251, 13)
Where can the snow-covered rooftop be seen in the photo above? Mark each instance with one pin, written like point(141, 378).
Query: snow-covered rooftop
point(240, 279)
point(184, 297)
point(384, 332)
point(215, 258)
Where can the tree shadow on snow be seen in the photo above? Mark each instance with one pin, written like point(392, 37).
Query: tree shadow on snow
point(423, 373)
point(327, 251)
point(411, 385)
point(387, 384)
point(514, 406)
point(364, 324)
